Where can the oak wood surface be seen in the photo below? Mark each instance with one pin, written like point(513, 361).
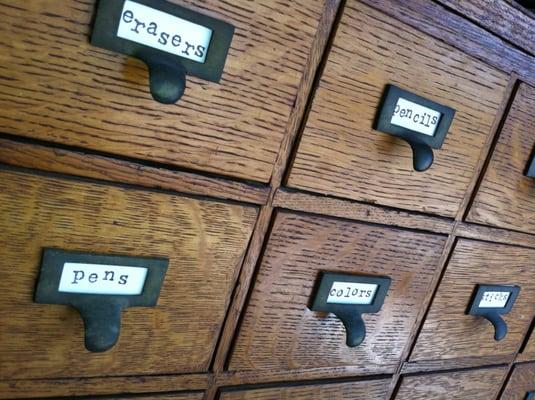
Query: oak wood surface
point(455, 363)
point(499, 17)
point(521, 381)
point(178, 396)
point(370, 390)
point(449, 333)
point(279, 332)
point(506, 198)
point(462, 385)
point(340, 154)
point(55, 86)
point(76, 163)
point(528, 352)
point(498, 235)
point(50, 388)
point(204, 241)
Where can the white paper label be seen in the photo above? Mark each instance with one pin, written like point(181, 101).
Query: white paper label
point(352, 293)
point(102, 279)
point(163, 31)
point(415, 117)
point(494, 299)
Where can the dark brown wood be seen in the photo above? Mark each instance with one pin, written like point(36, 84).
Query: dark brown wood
point(279, 332)
point(521, 381)
point(317, 204)
point(55, 86)
point(506, 198)
point(472, 231)
point(480, 384)
point(44, 388)
point(341, 155)
point(370, 390)
point(448, 333)
point(456, 30)
point(114, 170)
point(204, 240)
point(499, 17)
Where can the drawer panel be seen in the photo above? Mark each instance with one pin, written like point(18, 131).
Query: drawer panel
point(341, 155)
point(506, 197)
point(528, 352)
point(203, 240)
point(279, 332)
point(463, 385)
point(57, 87)
point(178, 396)
point(448, 332)
point(521, 382)
point(369, 390)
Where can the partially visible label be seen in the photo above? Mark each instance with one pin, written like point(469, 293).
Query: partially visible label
point(494, 299)
point(352, 293)
point(102, 279)
point(415, 117)
point(163, 31)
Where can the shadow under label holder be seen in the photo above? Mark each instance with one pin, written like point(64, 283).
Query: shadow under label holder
point(99, 287)
point(172, 40)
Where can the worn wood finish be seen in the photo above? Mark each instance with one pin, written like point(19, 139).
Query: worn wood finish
point(528, 352)
point(506, 198)
point(499, 17)
point(472, 231)
point(342, 208)
point(435, 20)
point(57, 87)
point(177, 396)
point(76, 163)
point(204, 241)
point(340, 154)
point(448, 332)
point(43, 388)
point(462, 385)
point(369, 390)
point(279, 332)
point(521, 381)
point(455, 363)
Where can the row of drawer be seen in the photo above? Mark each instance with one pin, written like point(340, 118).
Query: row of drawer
point(205, 242)
point(58, 88)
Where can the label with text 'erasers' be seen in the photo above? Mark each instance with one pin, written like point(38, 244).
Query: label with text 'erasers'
point(102, 279)
point(162, 31)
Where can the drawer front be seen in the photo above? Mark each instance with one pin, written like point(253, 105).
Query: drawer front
point(463, 385)
point(57, 87)
point(529, 350)
point(506, 197)
point(279, 332)
point(179, 396)
point(450, 333)
point(203, 240)
point(340, 154)
point(369, 390)
point(521, 382)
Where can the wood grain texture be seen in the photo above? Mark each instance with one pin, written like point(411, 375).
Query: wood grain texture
point(340, 154)
point(506, 198)
point(204, 241)
point(279, 332)
point(57, 87)
point(46, 388)
point(369, 390)
point(521, 381)
point(317, 204)
point(448, 332)
point(473, 231)
point(109, 169)
point(435, 20)
point(177, 396)
point(455, 363)
point(528, 352)
point(463, 385)
point(499, 17)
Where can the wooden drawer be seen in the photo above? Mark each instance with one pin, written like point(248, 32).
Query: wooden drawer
point(521, 382)
point(369, 390)
point(506, 197)
point(203, 240)
point(341, 155)
point(57, 87)
point(279, 332)
point(448, 332)
point(178, 396)
point(528, 352)
point(462, 385)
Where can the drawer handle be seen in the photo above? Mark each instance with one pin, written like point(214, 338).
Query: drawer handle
point(348, 297)
point(99, 287)
point(492, 301)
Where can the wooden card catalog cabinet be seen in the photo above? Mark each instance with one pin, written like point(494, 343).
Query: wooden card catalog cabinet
point(521, 384)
